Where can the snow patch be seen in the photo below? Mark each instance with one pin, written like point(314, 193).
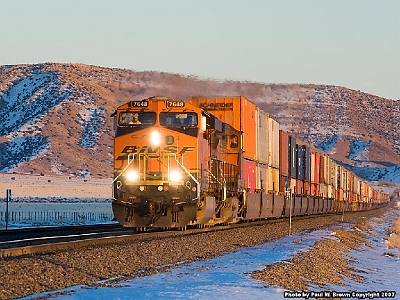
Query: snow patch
point(91, 123)
point(329, 143)
point(358, 150)
point(27, 101)
point(30, 98)
point(391, 174)
point(20, 150)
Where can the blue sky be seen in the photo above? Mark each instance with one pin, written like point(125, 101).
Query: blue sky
point(350, 43)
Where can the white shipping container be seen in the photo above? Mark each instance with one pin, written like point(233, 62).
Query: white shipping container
point(333, 173)
point(357, 185)
point(261, 176)
point(330, 191)
point(273, 142)
point(323, 192)
point(293, 185)
point(312, 170)
point(262, 134)
point(346, 181)
point(275, 179)
point(326, 167)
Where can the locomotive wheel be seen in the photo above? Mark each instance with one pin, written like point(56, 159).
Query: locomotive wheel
point(139, 229)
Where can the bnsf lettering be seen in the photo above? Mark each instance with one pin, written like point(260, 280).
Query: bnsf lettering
point(216, 106)
point(129, 149)
point(144, 149)
point(186, 149)
point(152, 150)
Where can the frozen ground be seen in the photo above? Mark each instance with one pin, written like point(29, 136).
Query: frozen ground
point(228, 277)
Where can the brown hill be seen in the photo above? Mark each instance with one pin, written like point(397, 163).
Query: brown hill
point(57, 116)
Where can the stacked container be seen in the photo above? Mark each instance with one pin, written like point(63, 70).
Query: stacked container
point(273, 142)
point(332, 178)
point(315, 173)
point(273, 180)
point(262, 128)
point(273, 154)
point(250, 175)
point(238, 112)
point(284, 161)
point(292, 157)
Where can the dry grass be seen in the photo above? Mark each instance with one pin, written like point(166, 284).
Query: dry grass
point(325, 263)
point(394, 237)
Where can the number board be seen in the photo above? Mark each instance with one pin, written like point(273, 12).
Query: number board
point(175, 103)
point(143, 103)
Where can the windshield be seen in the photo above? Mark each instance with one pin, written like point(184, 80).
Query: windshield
point(178, 119)
point(137, 118)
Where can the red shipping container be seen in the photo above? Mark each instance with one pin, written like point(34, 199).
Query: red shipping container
point(339, 195)
point(322, 169)
point(306, 190)
point(313, 191)
point(283, 153)
point(317, 191)
point(299, 186)
point(250, 175)
point(317, 167)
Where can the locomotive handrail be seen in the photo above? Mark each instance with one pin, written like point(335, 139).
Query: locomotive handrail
point(224, 189)
point(190, 175)
point(221, 184)
point(214, 177)
point(129, 162)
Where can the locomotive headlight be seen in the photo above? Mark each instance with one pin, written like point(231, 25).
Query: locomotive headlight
point(132, 176)
point(155, 138)
point(175, 176)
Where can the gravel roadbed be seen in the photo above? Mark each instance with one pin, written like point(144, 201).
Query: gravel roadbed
point(326, 262)
point(23, 276)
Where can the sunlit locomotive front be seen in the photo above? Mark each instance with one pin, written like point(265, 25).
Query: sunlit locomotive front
point(159, 153)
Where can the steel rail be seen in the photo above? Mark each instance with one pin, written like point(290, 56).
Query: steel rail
point(22, 233)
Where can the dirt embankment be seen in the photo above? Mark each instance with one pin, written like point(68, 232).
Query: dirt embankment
point(394, 234)
point(327, 261)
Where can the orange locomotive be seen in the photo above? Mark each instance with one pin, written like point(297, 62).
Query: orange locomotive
point(174, 165)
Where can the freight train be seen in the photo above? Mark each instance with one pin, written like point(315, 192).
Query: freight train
point(209, 161)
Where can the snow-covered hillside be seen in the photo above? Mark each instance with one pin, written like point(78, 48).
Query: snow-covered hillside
point(55, 117)
point(30, 103)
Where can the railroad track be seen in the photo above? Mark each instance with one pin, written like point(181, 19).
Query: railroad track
point(53, 239)
point(32, 245)
point(39, 240)
point(36, 232)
